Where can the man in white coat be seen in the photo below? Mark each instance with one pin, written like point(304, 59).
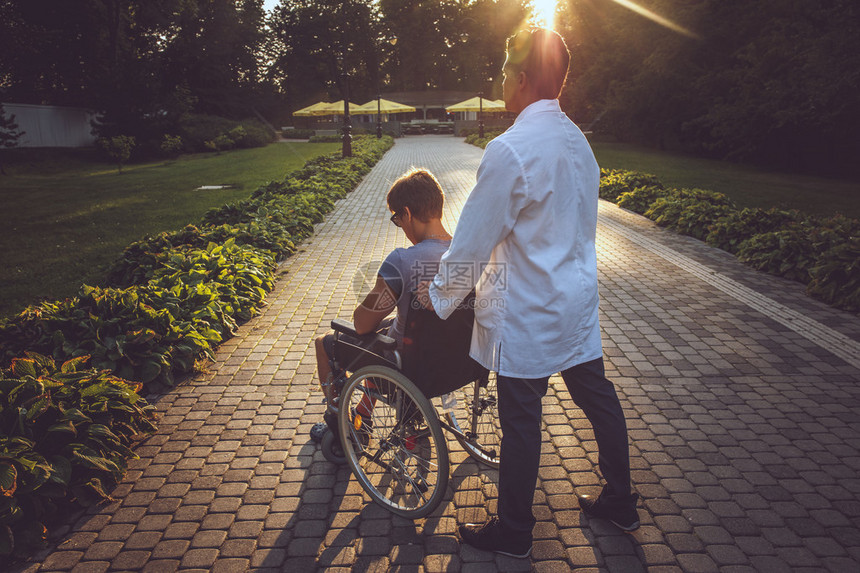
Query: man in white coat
point(526, 241)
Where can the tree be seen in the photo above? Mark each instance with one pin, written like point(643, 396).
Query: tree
point(768, 82)
point(9, 134)
point(316, 42)
point(117, 148)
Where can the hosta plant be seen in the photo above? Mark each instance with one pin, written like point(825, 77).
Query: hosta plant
point(789, 252)
point(65, 437)
point(835, 278)
point(140, 333)
point(640, 199)
point(688, 216)
point(614, 182)
point(729, 232)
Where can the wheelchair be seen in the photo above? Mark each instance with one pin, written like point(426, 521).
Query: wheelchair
point(387, 428)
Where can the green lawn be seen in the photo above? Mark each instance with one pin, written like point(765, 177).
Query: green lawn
point(746, 185)
point(68, 215)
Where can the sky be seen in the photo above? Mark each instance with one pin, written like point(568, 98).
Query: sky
point(269, 4)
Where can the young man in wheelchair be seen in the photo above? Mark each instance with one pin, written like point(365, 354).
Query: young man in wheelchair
point(415, 200)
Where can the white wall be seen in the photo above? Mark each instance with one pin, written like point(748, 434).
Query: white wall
point(51, 126)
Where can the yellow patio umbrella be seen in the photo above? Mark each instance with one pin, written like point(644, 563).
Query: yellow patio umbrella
point(475, 104)
point(336, 108)
point(385, 106)
point(314, 109)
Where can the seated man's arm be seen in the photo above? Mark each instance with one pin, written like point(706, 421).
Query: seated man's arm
point(378, 303)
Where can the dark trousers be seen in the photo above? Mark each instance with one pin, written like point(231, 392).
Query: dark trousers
point(520, 419)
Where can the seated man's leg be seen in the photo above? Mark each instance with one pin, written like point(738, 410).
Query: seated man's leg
point(325, 353)
point(323, 363)
point(327, 349)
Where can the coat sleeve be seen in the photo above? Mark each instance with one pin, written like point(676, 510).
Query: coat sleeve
point(489, 214)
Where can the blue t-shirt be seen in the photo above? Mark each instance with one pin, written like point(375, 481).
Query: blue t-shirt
point(403, 269)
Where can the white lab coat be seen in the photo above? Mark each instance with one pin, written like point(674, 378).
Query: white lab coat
point(526, 236)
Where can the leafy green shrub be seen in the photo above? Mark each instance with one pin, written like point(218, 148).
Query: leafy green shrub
point(614, 182)
point(222, 143)
point(240, 276)
point(835, 278)
point(641, 198)
point(210, 133)
point(688, 216)
point(238, 135)
point(256, 134)
point(297, 133)
point(787, 253)
point(139, 258)
point(64, 442)
point(712, 197)
point(325, 139)
point(151, 332)
point(117, 148)
point(171, 146)
point(197, 129)
point(140, 333)
point(729, 232)
point(799, 247)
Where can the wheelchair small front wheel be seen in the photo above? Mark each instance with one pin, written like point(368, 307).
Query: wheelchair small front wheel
point(331, 448)
point(393, 441)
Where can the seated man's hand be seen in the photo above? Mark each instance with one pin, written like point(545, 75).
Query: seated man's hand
point(422, 295)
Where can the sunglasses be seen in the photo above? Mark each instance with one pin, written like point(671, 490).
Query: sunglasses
point(395, 220)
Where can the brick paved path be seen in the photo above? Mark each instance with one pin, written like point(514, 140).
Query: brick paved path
point(744, 425)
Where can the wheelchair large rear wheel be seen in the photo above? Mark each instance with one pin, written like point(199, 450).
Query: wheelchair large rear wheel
point(393, 442)
point(476, 415)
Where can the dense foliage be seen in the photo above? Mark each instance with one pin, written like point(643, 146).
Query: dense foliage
point(65, 434)
point(821, 252)
point(767, 81)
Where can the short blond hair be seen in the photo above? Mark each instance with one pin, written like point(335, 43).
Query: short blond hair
point(419, 190)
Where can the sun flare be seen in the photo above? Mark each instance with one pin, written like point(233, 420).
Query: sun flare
point(657, 18)
point(543, 12)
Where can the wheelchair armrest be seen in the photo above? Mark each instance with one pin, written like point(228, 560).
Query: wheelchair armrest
point(379, 340)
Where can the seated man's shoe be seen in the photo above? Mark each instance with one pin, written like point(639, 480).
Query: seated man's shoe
point(620, 510)
point(492, 536)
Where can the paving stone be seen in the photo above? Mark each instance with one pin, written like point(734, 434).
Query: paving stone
point(91, 567)
point(131, 560)
point(230, 565)
point(696, 563)
point(103, 550)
